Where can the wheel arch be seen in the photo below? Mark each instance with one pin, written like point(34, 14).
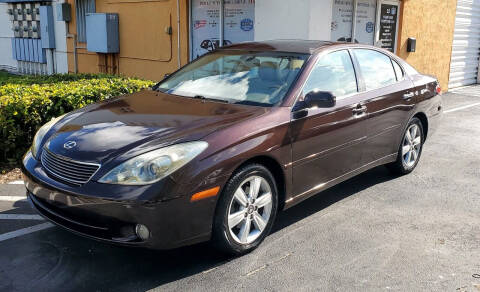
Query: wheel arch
point(277, 171)
point(424, 120)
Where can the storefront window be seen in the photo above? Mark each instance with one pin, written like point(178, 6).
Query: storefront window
point(369, 25)
point(208, 24)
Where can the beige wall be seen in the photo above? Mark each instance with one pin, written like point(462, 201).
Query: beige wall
point(146, 50)
point(432, 23)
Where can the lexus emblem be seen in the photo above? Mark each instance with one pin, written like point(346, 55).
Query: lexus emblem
point(69, 144)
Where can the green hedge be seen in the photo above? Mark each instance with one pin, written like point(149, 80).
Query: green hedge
point(27, 102)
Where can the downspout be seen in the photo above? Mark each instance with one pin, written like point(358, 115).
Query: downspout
point(178, 34)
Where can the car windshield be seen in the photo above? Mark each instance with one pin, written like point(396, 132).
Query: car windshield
point(254, 78)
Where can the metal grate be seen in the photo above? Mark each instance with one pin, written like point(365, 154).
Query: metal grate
point(66, 169)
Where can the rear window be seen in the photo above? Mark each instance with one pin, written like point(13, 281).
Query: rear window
point(377, 69)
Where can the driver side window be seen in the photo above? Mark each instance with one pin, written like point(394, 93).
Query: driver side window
point(333, 73)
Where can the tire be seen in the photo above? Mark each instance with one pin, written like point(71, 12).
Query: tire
point(259, 215)
point(410, 149)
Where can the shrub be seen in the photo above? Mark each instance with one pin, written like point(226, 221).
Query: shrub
point(27, 102)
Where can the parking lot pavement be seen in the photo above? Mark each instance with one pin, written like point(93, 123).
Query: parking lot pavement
point(373, 232)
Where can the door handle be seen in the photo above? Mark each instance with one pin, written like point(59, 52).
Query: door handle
point(359, 110)
point(408, 95)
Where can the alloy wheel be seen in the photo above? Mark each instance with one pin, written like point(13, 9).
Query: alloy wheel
point(250, 210)
point(412, 143)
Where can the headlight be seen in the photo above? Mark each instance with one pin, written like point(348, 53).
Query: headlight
point(37, 140)
point(155, 165)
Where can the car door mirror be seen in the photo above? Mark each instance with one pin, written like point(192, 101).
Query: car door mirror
point(321, 99)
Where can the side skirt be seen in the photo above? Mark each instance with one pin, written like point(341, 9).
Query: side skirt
point(323, 186)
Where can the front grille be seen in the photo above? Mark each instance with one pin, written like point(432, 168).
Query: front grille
point(68, 170)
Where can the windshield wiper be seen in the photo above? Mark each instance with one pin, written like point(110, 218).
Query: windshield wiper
point(209, 98)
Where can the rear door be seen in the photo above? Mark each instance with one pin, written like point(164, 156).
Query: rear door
point(328, 142)
point(389, 103)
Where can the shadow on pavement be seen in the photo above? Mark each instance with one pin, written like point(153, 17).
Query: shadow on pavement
point(57, 259)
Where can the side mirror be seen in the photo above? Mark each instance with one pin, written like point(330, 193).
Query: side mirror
point(319, 99)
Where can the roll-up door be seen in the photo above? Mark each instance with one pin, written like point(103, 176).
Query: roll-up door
point(466, 44)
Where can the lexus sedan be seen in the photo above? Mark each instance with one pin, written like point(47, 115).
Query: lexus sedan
point(218, 148)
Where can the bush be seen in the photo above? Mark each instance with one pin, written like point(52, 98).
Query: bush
point(28, 102)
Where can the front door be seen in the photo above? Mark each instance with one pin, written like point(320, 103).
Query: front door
point(327, 143)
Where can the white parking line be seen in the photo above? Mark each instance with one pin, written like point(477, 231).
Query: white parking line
point(16, 182)
point(461, 108)
point(12, 198)
point(20, 217)
point(25, 231)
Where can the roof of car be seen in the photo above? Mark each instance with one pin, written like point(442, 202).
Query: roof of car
point(293, 46)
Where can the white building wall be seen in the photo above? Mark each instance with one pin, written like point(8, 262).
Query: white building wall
point(293, 19)
point(6, 34)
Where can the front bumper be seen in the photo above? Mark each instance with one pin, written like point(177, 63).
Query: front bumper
point(172, 223)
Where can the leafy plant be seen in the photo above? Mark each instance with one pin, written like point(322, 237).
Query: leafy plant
point(27, 102)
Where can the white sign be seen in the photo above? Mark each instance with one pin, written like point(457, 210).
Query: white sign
point(239, 21)
point(205, 26)
point(238, 24)
point(342, 19)
point(365, 28)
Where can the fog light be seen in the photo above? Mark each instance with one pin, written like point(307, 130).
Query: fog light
point(142, 231)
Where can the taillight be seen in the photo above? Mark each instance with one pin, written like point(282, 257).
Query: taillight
point(438, 89)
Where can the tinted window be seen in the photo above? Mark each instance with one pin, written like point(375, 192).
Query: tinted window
point(334, 73)
point(377, 69)
point(398, 70)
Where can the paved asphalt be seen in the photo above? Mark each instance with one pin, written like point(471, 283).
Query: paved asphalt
point(375, 232)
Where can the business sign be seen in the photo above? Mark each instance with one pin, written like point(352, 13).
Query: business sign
point(205, 26)
point(342, 19)
point(238, 24)
point(342, 16)
point(365, 21)
point(239, 20)
point(388, 26)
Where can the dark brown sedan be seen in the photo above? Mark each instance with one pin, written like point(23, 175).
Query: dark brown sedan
point(215, 150)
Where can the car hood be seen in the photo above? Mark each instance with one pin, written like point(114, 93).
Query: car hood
point(139, 122)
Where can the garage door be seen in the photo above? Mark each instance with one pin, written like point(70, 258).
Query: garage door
point(466, 44)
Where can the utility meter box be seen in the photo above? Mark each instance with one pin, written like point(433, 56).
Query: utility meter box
point(47, 32)
point(64, 12)
point(102, 32)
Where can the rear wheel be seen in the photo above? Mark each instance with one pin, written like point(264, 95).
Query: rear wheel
point(246, 211)
point(410, 149)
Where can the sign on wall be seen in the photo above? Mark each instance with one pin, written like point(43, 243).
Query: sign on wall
point(342, 19)
point(239, 20)
point(388, 17)
point(238, 24)
point(205, 26)
point(365, 21)
point(342, 16)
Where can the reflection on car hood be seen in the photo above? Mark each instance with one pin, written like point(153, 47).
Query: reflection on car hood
point(140, 122)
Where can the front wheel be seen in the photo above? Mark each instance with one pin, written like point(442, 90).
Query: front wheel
point(246, 211)
point(410, 149)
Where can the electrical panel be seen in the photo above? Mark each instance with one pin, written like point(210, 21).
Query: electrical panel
point(102, 32)
point(47, 27)
point(25, 19)
point(64, 12)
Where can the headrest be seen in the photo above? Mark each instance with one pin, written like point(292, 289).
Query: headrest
point(296, 64)
point(268, 71)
